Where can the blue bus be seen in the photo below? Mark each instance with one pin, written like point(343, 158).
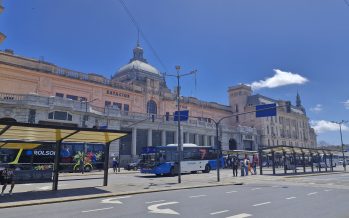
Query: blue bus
point(163, 160)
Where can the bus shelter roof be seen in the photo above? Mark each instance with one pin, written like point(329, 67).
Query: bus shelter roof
point(12, 133)
point(238, 152)
point(298, 150)
point(17, 145)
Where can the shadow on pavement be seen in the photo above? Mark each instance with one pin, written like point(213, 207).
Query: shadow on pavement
point(41, 195)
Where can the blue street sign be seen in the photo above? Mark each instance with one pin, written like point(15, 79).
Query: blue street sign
point(183, 115)
point(266, 110)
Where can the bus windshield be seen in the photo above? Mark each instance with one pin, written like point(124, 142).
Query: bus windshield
point(8, 155)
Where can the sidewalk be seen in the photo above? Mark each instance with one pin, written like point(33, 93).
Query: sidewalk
point(88, 186)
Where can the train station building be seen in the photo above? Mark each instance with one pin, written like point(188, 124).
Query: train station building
point(137, 99)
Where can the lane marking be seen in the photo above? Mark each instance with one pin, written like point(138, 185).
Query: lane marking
point(106, 208)
point(264, 203)
point(154, 208)
point(290, 198)
point(27, 184)
point(255, 189)
point(241, 215)
point(197, 196)
point(150, 202)
point(327, 190)
point(311, 183)
point(312, 193)
point(231, 192)
point(219, 212)
point(114, 200)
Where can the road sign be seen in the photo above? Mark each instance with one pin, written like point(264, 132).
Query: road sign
point(183, 115)
point(266, 110)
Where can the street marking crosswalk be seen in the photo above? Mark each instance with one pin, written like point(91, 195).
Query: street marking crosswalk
point(260, 204)
point(151, 202)
point(312, 193)
point(197, 196)
point(219, 212)
point(241, 215)
point(94, 210)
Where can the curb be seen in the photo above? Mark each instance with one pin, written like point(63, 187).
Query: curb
point(115, 194)
point(97, 174)
point(318, 174)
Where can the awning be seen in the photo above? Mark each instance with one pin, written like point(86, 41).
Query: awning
point(13, 132)
point(297, 150)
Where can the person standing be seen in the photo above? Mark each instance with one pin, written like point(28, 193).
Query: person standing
point(246, 164)
point(235, 166)
point(115, 165)
point(7, 179)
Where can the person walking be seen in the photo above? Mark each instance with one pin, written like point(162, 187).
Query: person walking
point(246, 163)
point(7, 179)
point(115, 165)
point(235, 166)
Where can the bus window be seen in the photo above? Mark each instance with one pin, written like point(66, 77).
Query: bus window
point(8, 155)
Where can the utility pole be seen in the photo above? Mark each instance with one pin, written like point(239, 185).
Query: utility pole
point(180, 144)
point(340, 131)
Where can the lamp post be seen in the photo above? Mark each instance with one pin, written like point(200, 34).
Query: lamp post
point(85, 118)
point(340, 131)
point(180, 145)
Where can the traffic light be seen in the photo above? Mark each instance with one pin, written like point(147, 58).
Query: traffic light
point(288, 106)
point(152, 118)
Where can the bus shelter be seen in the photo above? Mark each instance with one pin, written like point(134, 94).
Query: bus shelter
point(281, 155)
point(13, 134)
point(240, 154)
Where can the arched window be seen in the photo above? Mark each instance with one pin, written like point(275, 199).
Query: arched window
point(232, 144)
point(152, 107)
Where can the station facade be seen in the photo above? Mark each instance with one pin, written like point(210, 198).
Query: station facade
point(137, 99)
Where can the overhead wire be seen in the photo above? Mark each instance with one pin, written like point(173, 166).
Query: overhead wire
point(142, 34)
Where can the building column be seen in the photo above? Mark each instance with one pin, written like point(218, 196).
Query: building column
point(213, 143)
point(205, 140)
point(197, 139)
point(176, 137)
point(150, 137)
point(163, 137)
point(134, 142)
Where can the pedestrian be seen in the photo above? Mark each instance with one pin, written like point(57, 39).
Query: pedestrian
point(246, 163)
point(115, 165)
point(7, 179)
point(235, 166)
point(242, 168)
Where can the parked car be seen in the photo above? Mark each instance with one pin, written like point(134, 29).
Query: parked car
point(133, 165)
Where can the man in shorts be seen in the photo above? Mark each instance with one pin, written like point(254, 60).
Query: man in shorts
point(7, 179)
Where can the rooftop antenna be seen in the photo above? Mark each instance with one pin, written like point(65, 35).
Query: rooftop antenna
point(137, 37)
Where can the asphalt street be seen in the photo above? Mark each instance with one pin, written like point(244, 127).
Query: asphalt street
point(235, 201)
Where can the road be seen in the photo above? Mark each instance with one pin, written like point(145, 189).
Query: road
point(235, 201)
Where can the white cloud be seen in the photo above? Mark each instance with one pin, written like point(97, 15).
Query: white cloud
point(346, 104)
point(322, 126)
point(318, 108)
point(280, 78)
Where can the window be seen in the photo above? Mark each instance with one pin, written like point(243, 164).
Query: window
point(60, 115)
point(60, 95)
point(152, 107)
point(31, 117)
point(126, 107)
point(73, 97)
point(107, 103)
point(118, 105)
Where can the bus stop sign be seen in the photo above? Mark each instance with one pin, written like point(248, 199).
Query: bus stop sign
point(266, 110)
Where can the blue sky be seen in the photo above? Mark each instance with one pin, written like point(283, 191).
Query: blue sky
point(227, 41)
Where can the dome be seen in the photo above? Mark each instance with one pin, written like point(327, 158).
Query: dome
point(139, 66)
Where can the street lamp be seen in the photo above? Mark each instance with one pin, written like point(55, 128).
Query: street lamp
point(340, 131)
point(87, 102)
point(180, 145)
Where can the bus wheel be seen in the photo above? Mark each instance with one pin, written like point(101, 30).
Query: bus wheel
point(87, 169)
point(207, 169)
